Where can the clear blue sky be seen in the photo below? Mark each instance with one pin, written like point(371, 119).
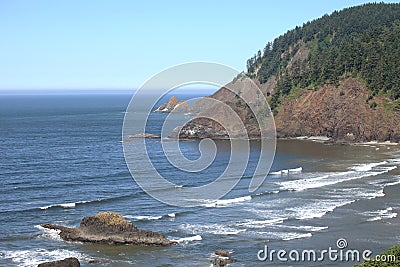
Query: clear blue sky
point(66, 44)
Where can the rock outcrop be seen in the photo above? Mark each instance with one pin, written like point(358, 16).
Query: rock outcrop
point(173, 104)
point(221, 258)
point(68, 262)
point(345, 113)
point(217, 108)
point(109, 228)
point(342, 113)
point(222, 253)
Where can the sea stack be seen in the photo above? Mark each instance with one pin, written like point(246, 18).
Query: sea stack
point(173, 104)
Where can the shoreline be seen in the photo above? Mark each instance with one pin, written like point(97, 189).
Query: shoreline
point(317, 139)
point(328, 140)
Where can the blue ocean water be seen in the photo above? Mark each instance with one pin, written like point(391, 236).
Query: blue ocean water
point(62, 160)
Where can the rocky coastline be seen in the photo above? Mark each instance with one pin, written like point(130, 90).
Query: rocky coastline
point(341, 113)
point(333, 114)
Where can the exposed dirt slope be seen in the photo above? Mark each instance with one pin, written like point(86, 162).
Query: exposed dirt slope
point(340, 113)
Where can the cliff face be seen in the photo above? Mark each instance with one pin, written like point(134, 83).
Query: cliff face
point(341, 113)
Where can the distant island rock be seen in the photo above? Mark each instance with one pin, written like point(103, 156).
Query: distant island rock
point(110, 228)
point(173, 104)
point(145, 135)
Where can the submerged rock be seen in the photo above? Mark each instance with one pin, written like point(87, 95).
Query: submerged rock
point(110, 228)
point(68, 262)
point(94, 261)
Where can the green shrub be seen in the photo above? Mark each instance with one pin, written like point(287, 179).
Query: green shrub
point(378, 261)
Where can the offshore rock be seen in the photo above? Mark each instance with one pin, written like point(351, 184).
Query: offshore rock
point(145, 135)
point(221, 258)
point(173, 104)
point(110, 228)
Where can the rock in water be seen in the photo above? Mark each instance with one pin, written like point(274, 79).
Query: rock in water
point(145, 135)
point(110, 228)
point(221, 258)
point(222, 253)
point(68, 262)
point(94, 261)
point(106, 223)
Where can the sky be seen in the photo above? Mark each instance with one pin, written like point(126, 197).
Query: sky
point(95, 44)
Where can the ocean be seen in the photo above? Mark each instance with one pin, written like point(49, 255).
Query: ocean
point(62, 159)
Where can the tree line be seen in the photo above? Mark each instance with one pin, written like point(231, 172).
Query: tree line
point(362, 41)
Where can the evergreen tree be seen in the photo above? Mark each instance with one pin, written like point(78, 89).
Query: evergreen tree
point(362, 41)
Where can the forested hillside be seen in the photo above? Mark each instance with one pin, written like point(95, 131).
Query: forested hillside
point(361, 42)
point(337, 76)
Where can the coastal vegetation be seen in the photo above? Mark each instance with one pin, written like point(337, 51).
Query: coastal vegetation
point(360, 42)
point(389, 258)
point(335, 77)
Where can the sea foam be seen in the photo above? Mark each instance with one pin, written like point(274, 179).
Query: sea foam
point(143, 217)
point(357, 172)
point(188, 239)
point(379, 215)
point(225, 202)
point(368, 166)
point(49, 233)
point(63, 205)
point(260, 223)
point(32, 258)
point(287, 171)
point(215, 229)
point(292, 236)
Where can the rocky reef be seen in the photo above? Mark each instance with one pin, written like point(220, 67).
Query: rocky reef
point(110, 228)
